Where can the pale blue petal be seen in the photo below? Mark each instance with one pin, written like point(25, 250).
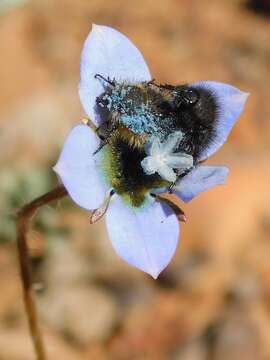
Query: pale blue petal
point(146, 238)
point(77, 168)
point(231, 103)
point(200, 179)
point(111, 54)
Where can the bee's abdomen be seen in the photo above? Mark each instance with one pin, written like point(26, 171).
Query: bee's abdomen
point(122, 166)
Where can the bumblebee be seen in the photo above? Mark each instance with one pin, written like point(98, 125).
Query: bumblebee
point(136, 113)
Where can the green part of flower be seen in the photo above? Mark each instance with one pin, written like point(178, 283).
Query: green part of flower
point(121, 164)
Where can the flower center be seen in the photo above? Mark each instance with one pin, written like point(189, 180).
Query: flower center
point(161, 159)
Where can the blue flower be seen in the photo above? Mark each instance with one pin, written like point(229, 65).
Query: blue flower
point(144, 235)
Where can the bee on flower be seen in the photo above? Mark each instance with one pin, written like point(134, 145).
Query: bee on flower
point(143, 138)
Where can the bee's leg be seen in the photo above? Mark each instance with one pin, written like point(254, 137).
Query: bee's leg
point(172, 185)
point(107, 80)
point(151, 82)
point(170, 188)
point(166, 86)
point(88, 122)
point(179, 176)
point(105, 133)
point(160, 86)
point(104, 141)
point(102, 144)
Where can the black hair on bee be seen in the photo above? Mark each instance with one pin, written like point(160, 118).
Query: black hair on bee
point(136, 113)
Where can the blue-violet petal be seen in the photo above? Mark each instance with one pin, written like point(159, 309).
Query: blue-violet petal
point(111, 54)
point(146, 238)
point(77, 168)
point(200, 179)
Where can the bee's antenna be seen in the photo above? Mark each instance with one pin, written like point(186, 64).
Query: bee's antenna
point(107, 80)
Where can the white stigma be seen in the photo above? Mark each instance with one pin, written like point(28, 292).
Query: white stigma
point(162, 159)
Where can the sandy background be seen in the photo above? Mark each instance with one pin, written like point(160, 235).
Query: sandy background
point(213, 301)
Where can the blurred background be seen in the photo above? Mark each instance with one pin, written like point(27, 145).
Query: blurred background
point(213, 300)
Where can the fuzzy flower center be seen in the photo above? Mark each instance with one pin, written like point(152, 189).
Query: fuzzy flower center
point(163, 160)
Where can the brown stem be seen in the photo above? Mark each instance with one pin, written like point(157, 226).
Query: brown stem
point(24, 216)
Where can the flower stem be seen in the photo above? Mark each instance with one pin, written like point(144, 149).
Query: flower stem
point(24, 215)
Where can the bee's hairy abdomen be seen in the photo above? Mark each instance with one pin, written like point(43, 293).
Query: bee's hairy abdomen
point(122, 164)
